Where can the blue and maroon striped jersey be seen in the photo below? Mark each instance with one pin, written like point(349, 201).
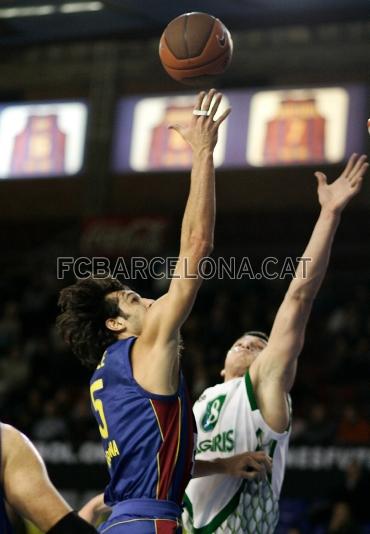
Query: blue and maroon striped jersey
point(5, 527)
point(148, 439)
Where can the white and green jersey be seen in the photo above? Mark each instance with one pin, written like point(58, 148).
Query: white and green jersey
point(229, 422)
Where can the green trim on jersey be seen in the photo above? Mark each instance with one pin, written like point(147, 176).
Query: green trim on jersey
point(220, 517)
point(188, 505)
point(250, 392)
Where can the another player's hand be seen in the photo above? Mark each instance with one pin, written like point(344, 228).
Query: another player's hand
point(202, 131)
point(335, 197)
point(249, 465)
point(94, 509)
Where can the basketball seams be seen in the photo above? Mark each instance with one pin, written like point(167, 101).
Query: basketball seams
point(194, 68)
point(198, 34)
point(195, 46)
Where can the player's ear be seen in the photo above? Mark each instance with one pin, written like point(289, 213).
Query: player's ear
point(116, 324)
point(222, 373)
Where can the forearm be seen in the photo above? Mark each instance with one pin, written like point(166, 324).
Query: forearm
point(199, 217)
point(314, 262)
point(203, 468)
point(249, 465)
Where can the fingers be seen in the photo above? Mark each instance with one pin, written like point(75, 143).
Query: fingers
point(222, 117)
point(264, 460)
point(249, 475)
point(254, 474)
point(216, 103)
point(200, 98)
point(351, 162)
point(358, 178)
point(214, 110)
point(321, 178)
point(211, 102)
point(207, 99)
point(257, 466)
point(254, 465)
point(260, 456)
point(268, 464)
point(356, 170)
point(175, 126)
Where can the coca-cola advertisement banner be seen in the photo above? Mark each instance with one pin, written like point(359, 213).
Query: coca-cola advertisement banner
point(123, 236)
point(288, 126)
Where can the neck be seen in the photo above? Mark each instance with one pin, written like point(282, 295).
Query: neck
point(125, 335)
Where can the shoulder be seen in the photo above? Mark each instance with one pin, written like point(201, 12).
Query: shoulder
point(10, 436)
point(16, 445)
point(218, 389)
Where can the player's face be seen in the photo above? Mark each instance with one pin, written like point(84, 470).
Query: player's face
point(242, 353)
point(133, 308)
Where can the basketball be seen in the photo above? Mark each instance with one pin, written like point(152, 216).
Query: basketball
point(195, 48)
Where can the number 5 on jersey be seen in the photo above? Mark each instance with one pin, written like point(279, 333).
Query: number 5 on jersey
point(98, 407)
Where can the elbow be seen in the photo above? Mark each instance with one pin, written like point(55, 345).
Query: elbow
point(206, 248)
point(301, 296)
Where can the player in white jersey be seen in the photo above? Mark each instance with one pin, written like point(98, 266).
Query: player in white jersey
point(251, 409)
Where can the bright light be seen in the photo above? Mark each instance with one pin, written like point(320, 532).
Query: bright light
point(37, 11)
point(32, 11)
point(79, 7)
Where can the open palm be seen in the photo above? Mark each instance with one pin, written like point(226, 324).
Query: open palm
point(335, 196)
point(202, 131)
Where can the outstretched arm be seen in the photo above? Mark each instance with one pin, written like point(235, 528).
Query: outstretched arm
point(28, 488)
point(157, 345)
point(277, 363)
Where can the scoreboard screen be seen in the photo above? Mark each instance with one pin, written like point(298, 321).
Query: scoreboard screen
point(42, 139)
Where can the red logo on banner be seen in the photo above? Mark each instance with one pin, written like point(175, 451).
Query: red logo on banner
point(119, 236)
point(40, 148)
point(167, 148)
point(296, 134)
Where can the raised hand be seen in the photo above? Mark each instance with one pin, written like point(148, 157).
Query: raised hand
point(202, 131)
point(335, 196)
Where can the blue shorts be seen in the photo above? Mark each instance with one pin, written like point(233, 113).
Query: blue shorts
point(143, 516)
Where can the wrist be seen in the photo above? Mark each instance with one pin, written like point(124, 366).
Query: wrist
point(331, 213)
point(203, 152)
point(71, 523)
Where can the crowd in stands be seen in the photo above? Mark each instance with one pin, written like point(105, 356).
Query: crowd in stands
point(44, 389)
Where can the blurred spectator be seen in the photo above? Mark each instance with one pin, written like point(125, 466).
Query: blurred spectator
point(34, 359)
point(342, 520)
point(355, 490)
point(352, 428)
point(319, 428)
point(51, 425)
point(14, 371)
point(10, 326)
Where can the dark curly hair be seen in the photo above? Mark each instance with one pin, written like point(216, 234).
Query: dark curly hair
point(84, 310)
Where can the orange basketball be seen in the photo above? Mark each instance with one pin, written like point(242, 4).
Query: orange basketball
point(195, 47)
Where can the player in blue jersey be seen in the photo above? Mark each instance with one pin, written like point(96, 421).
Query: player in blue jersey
point(137, 391)
point(25, 486)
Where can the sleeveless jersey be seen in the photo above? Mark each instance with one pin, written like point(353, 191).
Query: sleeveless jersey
point(5, 527)
point(147, 438)
point(229, 422)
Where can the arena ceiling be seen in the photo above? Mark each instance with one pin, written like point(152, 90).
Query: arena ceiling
point(35, 21)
